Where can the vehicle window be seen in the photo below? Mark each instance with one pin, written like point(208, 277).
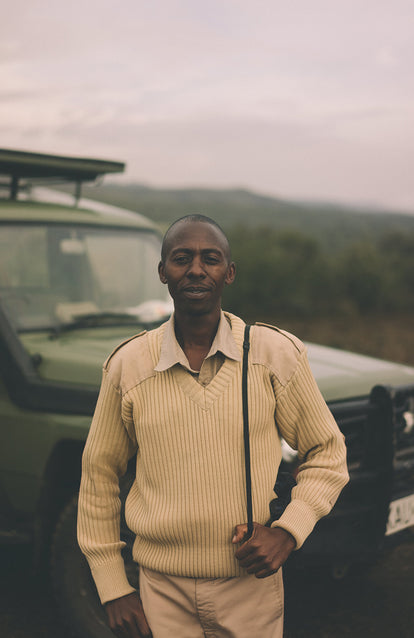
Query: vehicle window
point(23, 257)
point(124, 267)
point(49, 274)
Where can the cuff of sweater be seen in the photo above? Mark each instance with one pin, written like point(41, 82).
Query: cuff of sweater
point(111, 580)
point(298, 519)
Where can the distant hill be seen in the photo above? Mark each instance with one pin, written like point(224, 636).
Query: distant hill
point(334, 225)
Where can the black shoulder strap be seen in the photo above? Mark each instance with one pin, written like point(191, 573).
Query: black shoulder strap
point(246, 346)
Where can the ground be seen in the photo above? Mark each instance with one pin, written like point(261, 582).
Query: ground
point(375, 602)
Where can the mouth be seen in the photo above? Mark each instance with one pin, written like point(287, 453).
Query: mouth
point(195, 292)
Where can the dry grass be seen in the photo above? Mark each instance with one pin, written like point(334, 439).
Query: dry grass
point(385, 337)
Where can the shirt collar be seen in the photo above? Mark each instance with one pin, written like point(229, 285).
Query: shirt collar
point(172, 353)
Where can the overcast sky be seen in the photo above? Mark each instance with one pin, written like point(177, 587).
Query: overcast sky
point(299, 99)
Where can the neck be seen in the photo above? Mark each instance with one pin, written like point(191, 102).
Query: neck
point(196, 331)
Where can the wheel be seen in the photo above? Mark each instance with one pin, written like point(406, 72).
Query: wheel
point(72, 583)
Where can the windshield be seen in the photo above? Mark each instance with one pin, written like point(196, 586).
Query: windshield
point(52, 274)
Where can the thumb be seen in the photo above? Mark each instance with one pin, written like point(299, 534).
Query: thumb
point(240, 532)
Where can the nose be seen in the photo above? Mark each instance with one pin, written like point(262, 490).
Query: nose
point(196, 269)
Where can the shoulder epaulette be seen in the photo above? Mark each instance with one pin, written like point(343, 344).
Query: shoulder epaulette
point(294, 340)
point(122, 344)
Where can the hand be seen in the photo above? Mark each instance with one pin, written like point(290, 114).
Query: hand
point(126, 617)
point(265, 551)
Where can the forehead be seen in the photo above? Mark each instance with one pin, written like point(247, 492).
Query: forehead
point(196, 236)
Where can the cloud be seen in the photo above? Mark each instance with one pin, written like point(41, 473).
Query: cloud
point(312, 99)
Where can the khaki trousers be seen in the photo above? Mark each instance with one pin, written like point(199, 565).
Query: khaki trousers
point(245, 607)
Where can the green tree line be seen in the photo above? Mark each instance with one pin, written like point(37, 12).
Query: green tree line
point(290, 274)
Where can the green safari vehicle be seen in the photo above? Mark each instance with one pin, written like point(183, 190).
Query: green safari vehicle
point(74, 282)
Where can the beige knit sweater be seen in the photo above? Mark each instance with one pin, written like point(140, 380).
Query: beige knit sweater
point(189, 491)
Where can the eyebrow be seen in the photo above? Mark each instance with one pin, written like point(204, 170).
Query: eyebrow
point(204, 251)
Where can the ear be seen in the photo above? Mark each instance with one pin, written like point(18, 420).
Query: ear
point(231, 273)
point(161, 273)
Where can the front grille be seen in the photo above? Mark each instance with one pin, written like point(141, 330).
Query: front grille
point(379, 435)
point(354, 428)
point(380, 455)
point(403, 412)
point(403, 420)
point(367, 435)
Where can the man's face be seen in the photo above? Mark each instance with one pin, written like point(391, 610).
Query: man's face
point(196, 267)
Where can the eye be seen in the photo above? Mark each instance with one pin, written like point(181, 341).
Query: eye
point(181, 259)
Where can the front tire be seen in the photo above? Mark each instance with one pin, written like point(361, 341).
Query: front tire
point(72, 583)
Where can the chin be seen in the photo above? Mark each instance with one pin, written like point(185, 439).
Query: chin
point(198, 311)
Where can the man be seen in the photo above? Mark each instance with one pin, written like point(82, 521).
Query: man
point(173, 397)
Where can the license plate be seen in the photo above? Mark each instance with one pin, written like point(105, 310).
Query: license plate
point(401, 514)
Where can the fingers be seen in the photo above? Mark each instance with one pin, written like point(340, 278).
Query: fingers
point(126, 628)
point(143, 627)
point(126, 617)
point(240, 532)
point(261, 566)
point(130, 628)
point(248, 547)
point(257, 561)
point(265, 552)
point(264, 573)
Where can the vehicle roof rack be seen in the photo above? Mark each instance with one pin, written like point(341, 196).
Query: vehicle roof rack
point(21, 165)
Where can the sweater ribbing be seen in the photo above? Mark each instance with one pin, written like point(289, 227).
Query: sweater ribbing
point(189, 491)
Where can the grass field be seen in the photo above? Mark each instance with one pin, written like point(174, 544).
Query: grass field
point(384, 337)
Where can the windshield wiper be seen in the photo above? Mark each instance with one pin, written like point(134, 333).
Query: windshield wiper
point(98, 319)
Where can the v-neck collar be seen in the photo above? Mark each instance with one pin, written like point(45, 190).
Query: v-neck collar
point(172, 353)
point(205, 395)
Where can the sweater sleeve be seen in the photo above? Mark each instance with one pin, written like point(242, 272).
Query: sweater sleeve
point(306, 423)
point(108, 448)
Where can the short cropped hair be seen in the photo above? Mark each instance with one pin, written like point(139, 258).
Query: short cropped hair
point(195, 217)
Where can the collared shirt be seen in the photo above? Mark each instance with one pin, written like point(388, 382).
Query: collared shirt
point(223, 346)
